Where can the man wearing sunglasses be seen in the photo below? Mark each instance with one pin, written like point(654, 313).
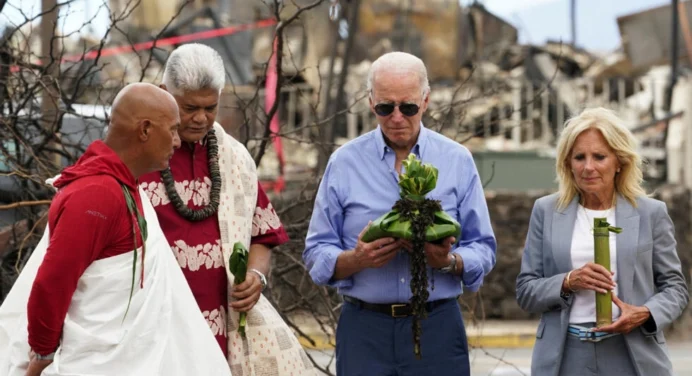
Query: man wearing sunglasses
point(374, 335)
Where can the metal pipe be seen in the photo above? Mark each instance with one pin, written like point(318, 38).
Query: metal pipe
point(353, 18)
point(673, 56)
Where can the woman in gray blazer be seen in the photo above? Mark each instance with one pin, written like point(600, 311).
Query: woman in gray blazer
point(599, 175)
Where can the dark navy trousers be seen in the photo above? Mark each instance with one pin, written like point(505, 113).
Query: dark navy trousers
point(374, 344)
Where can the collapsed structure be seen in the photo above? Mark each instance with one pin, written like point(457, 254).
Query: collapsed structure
point(488, 91)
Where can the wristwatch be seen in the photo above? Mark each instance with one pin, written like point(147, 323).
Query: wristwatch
point(263, 279)
point(45, 357)
point(452, 267)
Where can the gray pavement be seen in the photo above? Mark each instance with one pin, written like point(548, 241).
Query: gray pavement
point(517, 361)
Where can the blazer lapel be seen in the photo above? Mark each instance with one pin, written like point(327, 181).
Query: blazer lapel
point(562, 229)
point(627, 218)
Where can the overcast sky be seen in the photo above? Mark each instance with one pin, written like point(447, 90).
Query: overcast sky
point(539, 20)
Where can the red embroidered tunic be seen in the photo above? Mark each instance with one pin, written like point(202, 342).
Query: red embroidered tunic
point(197, 245)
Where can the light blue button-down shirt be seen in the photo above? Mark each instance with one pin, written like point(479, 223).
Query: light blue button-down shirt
point(360, 184)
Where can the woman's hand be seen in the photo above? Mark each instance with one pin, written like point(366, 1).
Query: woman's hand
point(590, 277)
point(630, 318)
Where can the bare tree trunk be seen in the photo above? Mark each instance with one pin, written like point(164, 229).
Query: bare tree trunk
point(49, 50)
point(326, 132)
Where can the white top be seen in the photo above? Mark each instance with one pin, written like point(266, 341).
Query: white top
point(582, 251)
point(163, 334)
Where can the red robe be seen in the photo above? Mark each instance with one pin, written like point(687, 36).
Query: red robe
point(88, 220)
point(197, 245)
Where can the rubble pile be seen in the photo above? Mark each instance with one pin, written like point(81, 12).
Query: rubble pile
point(488, 91)
point(499, 95)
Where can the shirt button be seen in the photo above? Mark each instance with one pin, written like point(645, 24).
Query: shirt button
point(403, 280)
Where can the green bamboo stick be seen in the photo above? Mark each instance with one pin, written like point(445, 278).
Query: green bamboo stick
point(601, 238)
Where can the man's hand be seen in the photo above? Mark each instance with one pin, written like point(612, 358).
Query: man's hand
point(247, 293)
point(36, 366)
point(630, 318)
point(437, 255)
point(377, 253)
point(591, 277)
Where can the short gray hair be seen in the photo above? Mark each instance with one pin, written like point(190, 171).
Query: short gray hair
point(401, 62)
point(194, 67)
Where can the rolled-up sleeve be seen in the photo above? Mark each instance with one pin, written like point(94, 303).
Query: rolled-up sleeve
point(267, 228)
point(323, 243)
point(477, 246)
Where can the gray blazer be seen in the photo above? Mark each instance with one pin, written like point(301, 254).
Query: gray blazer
point(649, 274)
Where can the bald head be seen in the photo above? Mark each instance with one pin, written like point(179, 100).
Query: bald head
point(139, 101)
point(143, 125)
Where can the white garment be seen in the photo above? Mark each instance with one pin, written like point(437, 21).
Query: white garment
point(163, 333)
point(582, 252)
point(270, 347)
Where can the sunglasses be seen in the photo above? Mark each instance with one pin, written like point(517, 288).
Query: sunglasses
point(386, 109)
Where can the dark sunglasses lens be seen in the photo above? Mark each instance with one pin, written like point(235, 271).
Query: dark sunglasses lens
point(384, 109)
point(408, 109)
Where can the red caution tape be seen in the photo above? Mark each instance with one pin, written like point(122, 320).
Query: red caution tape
point(201, 35)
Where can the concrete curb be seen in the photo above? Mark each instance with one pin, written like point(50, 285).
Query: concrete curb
point(508, 341)
point(320, 341)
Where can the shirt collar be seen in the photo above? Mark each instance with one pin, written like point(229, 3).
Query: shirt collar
point(418, 148)
point(195, 146)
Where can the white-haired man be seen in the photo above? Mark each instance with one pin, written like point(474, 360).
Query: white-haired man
point(374, 335)
point(209, 199)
